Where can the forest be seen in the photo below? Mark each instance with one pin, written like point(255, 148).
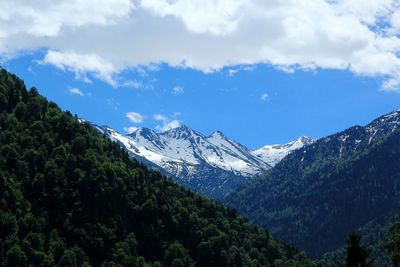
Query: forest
point(318, 195)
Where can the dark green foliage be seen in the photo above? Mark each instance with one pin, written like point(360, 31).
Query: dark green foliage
point(70, 197)
point(317, 195)
point(177, 255)
point(393, 244)
point(357, 254)
point(15, 256)
point(374, 235)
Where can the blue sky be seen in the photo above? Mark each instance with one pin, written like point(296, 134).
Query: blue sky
point(256, 105)
point(260, 71)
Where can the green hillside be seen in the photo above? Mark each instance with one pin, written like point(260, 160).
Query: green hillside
point(317, 195)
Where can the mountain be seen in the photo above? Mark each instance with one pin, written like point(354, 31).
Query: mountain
point(213, 165)
point(71, 197)
point(318, 194)
point(272, 154)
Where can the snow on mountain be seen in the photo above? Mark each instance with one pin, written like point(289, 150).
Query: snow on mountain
point(210, 164)
point(272, 154)
point(385, 124)
point(360, 137)
point(184, 145)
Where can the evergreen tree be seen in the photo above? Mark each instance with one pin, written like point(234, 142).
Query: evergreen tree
point(357, 254)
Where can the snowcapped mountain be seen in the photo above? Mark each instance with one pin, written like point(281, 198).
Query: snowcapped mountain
point(272, 154)
point(357, 138)
point(213, 165)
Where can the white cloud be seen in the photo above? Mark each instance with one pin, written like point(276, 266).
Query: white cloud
point(104, 38)
point(76, 91)
point(160, 117)
point(81, 64)
point(168, 125)
point(264, 97)
point(216, 17)
point(135, 117)
point(249, 68)
point(232, 72)
point(177, 90)
point(132, 84)
point(46, 18)
point(131, 129)
point(390, 85)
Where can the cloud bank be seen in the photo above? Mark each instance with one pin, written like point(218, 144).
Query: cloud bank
point(103, 38)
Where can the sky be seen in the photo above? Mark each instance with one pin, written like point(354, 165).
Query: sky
point(262, 72)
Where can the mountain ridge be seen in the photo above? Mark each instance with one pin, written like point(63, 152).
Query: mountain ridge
point(272, 154)
point(316, 195)
point(213, 164)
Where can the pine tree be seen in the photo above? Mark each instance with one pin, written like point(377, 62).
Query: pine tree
point(357, 254)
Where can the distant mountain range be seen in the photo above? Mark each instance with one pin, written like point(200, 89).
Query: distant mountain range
point(213, 165)
point(318, 194)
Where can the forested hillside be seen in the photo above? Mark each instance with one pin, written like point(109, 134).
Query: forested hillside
point(70, 197)
point(317, 195)
point(375, 235)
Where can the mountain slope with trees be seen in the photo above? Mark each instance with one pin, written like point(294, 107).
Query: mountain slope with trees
point(71, 197)
point(375, 235)
point(317, 195)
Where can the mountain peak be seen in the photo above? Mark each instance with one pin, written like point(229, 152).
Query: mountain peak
point(393, 116)
point(181, 132)
point(383, 125)
point(397, 112)
point(218, 134)
point(272, 154)
point(305, 140)
point(145, 132)
point(180, 128)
